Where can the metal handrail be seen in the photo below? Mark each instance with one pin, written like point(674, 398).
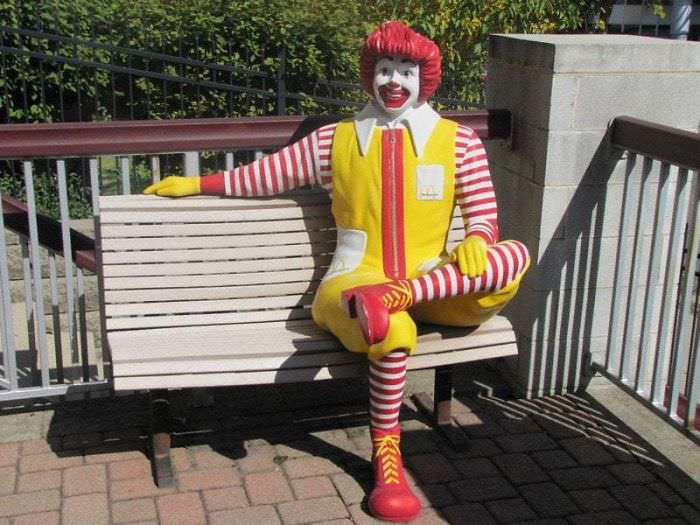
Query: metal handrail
point(673, 145)
point(16, 218)
point(74, 139)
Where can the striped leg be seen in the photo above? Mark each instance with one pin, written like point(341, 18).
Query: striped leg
point(391, 498)
point(506, 262)
point(387, 378)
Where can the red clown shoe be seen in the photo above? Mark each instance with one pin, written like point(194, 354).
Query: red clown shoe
point(373, 303)
point(392, 498)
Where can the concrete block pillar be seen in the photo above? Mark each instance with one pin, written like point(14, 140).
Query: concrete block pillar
point(559, 183)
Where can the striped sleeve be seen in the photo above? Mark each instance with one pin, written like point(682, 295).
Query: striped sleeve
point(473, 188)
point(303, 163)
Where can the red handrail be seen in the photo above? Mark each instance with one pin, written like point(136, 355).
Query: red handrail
point(83, 139)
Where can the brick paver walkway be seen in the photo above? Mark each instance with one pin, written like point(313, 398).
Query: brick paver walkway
point(293, 455)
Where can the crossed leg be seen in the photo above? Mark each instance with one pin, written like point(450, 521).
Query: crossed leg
point(373, 305)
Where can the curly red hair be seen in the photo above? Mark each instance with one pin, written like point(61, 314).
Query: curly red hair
point(396, 38)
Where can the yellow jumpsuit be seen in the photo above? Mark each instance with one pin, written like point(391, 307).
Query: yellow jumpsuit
point(393, 212)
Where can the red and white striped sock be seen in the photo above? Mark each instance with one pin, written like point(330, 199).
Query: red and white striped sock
point(506, 261)
point(387, 378)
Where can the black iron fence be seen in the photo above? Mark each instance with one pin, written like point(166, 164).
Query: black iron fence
point(54, 78)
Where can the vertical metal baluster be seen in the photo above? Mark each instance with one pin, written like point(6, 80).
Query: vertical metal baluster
point(8, 337)
point(557, 311)
point(685, 316)
point(622, 263)
point(693, 388)
point(229, 161)
point(581, 267)
point(637, 275)
point(192, 164)
point(653, 274)
point(155, 169)
point(56, 317)
point(114, 87)
point(67, 259)
point(530, 384)
point(124, 169)
point(36, 274)
point(29, 314)
point(82, 321)
point(551, 309)
point(95, 186)
point(670, 297)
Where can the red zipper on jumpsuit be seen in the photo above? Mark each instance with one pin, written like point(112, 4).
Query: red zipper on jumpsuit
point(393, 205)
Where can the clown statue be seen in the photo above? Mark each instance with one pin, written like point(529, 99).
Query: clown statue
point(394, 171)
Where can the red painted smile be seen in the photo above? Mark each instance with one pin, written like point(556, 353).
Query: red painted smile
point(393, 95)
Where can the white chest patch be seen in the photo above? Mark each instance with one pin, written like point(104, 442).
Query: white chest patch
point(431, 179)
point(349, 252)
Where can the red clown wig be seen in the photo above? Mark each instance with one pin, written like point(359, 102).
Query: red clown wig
point(395, 38)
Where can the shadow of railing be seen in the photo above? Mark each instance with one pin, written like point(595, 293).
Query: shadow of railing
point(560, 326)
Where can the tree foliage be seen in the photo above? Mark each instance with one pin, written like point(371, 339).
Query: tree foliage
point(320, 42)
point(462, 28)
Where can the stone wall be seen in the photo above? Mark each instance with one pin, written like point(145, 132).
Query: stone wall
point(559, 182)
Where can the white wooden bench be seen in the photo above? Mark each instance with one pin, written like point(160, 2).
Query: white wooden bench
point(207, 291)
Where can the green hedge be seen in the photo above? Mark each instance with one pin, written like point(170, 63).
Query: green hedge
point(320, 41)
point(249, 34)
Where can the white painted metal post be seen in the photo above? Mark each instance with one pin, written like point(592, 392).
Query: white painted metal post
point(622, 264)
point(67, 258)
point(125, 170)
point(155, 169)
point(653, 270)
point(192, 163)
point(36, 273)
point(8, 336)
point(688, 305)
point(670, 287)
point(95, 186)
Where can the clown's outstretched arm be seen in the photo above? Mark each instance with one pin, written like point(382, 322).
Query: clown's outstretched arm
point(477, 202)
point(303, 163)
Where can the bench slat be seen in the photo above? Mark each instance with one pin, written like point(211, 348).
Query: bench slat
point(169, 243)
point(152, 216)
point(135, 202)
point(235, 279)
point(127, 323)
point(117, 231)
point(211, 292)
point(218, 254)
point(179, 245)
point(283, 375)
point(276, 339)
point(188, 268)
point(223, 305)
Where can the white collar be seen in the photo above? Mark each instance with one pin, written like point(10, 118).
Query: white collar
point(420, 123)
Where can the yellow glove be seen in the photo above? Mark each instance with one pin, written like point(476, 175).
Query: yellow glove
point(470, 256)
point(174, 186)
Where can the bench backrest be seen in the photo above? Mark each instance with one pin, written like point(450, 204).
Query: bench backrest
point(214, 261)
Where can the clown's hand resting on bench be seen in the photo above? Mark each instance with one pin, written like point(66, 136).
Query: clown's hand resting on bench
point(174, 186)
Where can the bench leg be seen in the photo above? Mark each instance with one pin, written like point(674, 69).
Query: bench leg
point(160, 439)
point(438, 410)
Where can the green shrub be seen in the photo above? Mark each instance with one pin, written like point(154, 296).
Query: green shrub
point(462, 28)
point(320, 42)
point(46, 192)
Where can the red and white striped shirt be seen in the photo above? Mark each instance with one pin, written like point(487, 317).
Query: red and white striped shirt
point(308, 162)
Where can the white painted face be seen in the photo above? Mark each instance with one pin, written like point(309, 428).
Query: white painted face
point(396, 84)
